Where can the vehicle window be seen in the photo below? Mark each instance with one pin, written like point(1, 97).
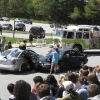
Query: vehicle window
point(66, 54)
point(58, 33)
point(5, 53)
point(32, 54)
point(73, 53)
point(86, 29)
point(65, 34)
point(78, 35)
point(35, 29)
point(15, 53)
point(86, 35)
point(70, 35)
point(61, 54)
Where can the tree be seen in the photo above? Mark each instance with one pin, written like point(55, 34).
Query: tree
point(76, 14)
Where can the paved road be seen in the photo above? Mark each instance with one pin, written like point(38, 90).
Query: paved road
point(16, 35)
point(10, 77)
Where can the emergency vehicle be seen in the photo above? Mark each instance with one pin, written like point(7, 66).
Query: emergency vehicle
point(77, 37)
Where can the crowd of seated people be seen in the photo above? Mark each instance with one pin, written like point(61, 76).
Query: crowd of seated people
point(82, 85)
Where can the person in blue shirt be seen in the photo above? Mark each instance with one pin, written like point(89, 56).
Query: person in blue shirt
point(54, 61)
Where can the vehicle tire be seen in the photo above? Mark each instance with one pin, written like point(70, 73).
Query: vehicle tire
point(43, 36)
point(77, 48)
point(82, 63)
point(23, 67)
point(24, 29)
point(58, 68)
point(10, 28)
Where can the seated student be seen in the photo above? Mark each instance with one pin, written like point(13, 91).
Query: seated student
point(93, 92)
point(36, 79)
point(8, 46)
point(83, 94)
point(10, 88)
point(43, 91)
point(71, 94)
point(21, 90)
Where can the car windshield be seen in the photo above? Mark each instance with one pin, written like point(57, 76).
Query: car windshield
point(58, 33)
point(60, 54)
point(7, 52)
point(5, 24)
point(14, 53)
point(35, 29)
point(18, 24)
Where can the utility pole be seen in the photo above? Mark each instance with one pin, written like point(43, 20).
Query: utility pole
point(14, 30)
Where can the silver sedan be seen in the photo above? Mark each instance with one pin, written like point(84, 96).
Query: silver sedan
point(16, 59)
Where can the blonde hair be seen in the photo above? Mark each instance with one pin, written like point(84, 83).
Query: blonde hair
point(61, 79)
point(96, 68)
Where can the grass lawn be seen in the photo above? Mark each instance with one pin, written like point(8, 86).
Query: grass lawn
point(14, 40)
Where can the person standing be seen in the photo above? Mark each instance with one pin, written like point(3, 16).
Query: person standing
point(30, 37)
point(54, 62)
point(1, 29)
point(3, 40)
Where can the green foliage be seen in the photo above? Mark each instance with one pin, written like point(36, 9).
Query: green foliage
point(76, 14)
point(58, 11)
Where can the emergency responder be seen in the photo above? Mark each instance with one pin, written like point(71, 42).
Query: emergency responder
point(8, 46)
point(22, 45)
point(28, 60)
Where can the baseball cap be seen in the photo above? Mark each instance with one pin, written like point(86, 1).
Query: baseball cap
point(68, 85)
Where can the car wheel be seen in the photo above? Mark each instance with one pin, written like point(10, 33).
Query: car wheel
point(24, 29)
point(23, 67)
point(82, 63)
point(10, 28)
point(58, 68)
point(43, 36)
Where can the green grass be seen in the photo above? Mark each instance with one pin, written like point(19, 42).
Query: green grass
point(11, 31)
point(13, 40)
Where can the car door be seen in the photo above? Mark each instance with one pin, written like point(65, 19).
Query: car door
point(34, 57)
point(74, 58)
point(64, 61)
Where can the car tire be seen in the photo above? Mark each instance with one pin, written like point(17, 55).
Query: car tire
point(23, 67)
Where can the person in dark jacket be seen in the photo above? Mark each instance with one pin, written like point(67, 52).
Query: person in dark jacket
point(8, 46)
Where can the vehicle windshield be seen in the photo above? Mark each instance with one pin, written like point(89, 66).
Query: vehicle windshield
point(7, 52)
point(5, 24)
point(18, 24)
point(14, 53)
point(60, 54)
point(58, 33)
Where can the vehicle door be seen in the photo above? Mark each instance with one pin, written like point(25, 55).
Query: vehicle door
point(86, 39)
point(74, 58)
point(64, 39)
point(64, 60)
point(34, 57)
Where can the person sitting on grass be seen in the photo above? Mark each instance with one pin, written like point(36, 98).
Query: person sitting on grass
point(8, 46)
